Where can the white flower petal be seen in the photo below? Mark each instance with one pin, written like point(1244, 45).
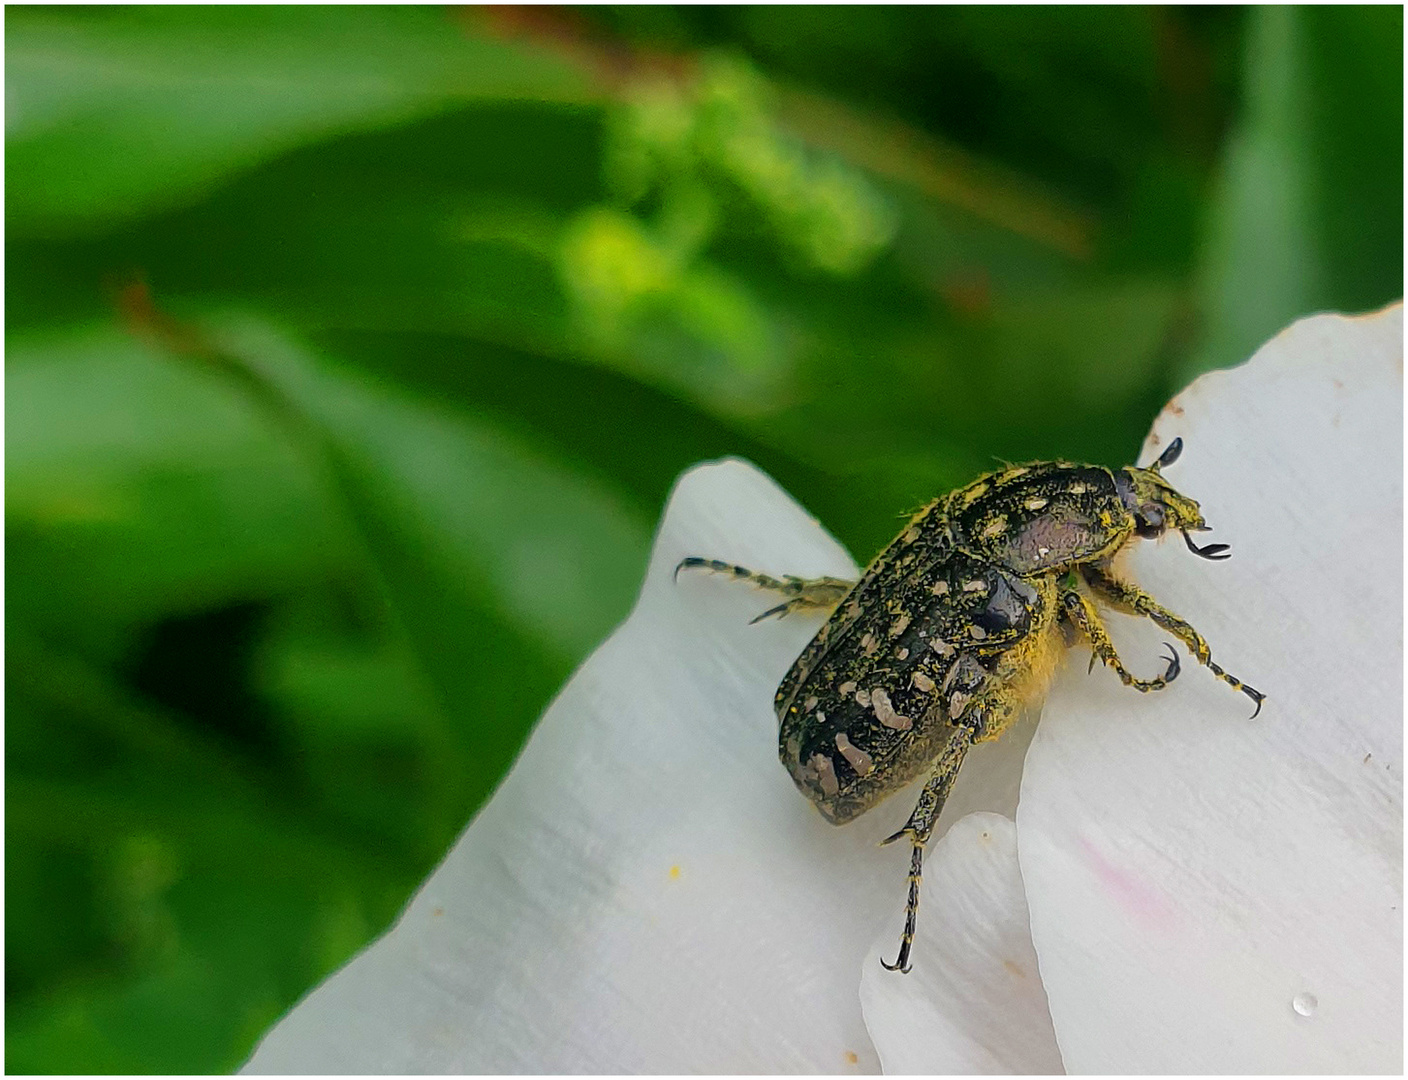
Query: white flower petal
point(647, 891)
point(973, 1002)
point(1213, 895)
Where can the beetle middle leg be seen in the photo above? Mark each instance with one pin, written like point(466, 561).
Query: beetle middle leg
point(1135, 601)
point(803, 594)
point(919, 827)
point(1082, 614)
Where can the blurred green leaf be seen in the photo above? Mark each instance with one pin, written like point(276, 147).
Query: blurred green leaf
point(111, 112)
point(1309, 215)
point(137, 488)
point(555, 550)
point(199, 899)
point(246, 942)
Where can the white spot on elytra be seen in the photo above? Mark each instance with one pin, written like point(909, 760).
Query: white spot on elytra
point(1035, 504)
point(825, 774)
point(949, 678)
point(858, 758)
point(885, 712)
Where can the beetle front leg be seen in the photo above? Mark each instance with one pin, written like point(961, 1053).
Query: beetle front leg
point(919, 827)
point(804, 594)
point(1082, 614)
point(1135, 601)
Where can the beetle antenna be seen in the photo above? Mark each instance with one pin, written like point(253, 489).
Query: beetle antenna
point(1169, 456)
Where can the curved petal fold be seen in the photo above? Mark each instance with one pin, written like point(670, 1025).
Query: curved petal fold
point(973, 1002)
point(646, 891)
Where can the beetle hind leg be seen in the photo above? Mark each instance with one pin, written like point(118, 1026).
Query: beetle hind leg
point(803, 594)
point(1081, 613)
point(911, 912)
point(919, 827)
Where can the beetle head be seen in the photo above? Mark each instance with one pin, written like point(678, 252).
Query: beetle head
point(1157, 507)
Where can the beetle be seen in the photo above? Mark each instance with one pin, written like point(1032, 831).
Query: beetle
point(957, 626)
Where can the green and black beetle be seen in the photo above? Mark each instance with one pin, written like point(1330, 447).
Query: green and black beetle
point(957, 626)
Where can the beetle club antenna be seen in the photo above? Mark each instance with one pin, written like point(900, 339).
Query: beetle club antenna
point(1169, 456)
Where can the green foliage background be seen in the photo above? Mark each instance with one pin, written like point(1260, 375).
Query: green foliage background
point(352, 353)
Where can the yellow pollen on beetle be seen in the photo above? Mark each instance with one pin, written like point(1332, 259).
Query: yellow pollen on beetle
point(974, 493)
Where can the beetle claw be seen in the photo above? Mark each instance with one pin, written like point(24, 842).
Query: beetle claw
point(901, 963)
point(1210, 551)
point(1255, 695)
point(1173, 665)
point(780, 611)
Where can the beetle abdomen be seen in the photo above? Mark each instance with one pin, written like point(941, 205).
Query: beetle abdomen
point(869, 704)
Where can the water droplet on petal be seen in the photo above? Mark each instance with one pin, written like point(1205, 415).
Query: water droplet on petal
point(1305, 1004)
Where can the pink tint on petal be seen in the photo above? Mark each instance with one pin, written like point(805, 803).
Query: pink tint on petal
point(1133, 894)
